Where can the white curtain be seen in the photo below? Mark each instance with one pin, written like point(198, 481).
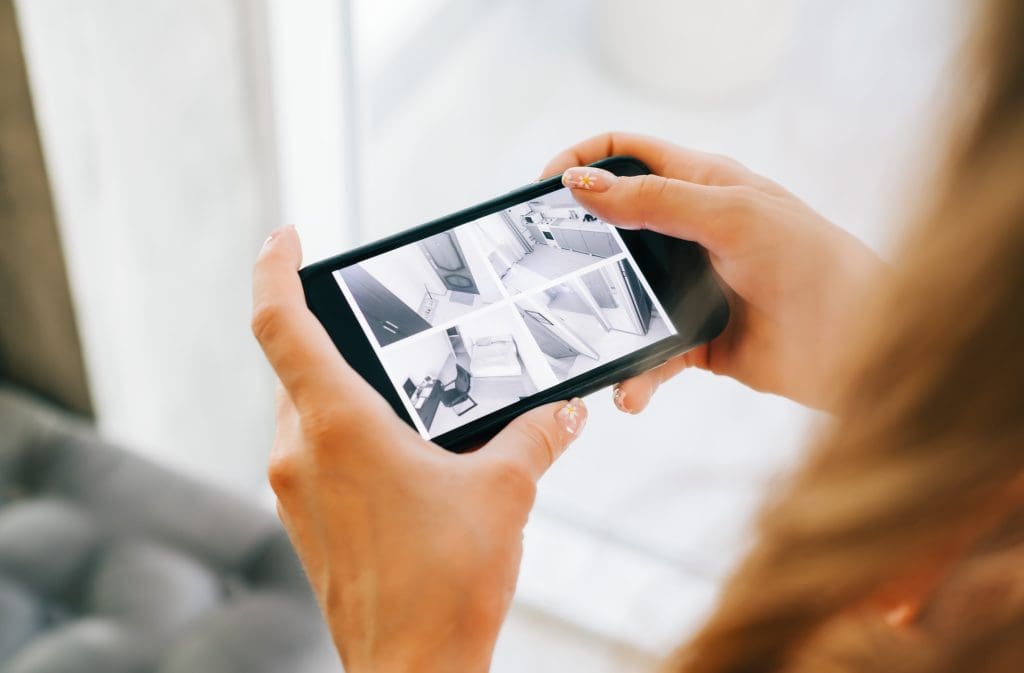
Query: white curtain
point(156, 131)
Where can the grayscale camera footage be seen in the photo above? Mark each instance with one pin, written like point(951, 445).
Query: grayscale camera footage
point(478, 317)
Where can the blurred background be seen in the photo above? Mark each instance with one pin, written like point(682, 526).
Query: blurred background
point(177, 134)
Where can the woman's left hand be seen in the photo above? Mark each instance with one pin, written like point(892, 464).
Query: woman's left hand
point(413, 552)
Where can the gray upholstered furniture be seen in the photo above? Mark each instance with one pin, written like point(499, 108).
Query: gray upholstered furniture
point(109, 564)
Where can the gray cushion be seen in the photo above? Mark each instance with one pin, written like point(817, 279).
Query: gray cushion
point(260, 633)
point(23, 617)
point(84, 645)
point(154, 588)
point(111, 564)
point(45, 542)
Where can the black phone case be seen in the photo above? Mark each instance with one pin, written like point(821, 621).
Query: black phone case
point(678, 272)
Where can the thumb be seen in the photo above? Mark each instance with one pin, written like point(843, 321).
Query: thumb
point(701, 213)
point(537, 438)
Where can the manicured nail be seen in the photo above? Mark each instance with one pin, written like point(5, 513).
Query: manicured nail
point(619, 397)
point(573, 416)
point(589, 179)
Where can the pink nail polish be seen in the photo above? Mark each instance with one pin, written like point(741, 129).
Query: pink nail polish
point(588, 178)
point(573, 416)
point(619, 397)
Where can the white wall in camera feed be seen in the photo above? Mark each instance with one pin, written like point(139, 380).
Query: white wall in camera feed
point(581, 291)
point(475, 241)
point(488, 285)
point(417, 359)
point(537, 304)
point(533, 357)
point(406, 273)
point(498, 244)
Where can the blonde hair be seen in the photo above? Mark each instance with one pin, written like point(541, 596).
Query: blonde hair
point(915, 489)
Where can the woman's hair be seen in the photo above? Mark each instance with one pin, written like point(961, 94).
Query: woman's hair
point(915, 489)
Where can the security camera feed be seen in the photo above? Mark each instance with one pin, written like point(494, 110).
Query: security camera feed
point(419, 286)
point(471, 320)
point(534, 243)
point(592, 319)
point(464, 372)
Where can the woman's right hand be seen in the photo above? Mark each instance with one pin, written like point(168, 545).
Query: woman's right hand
point(794, 277)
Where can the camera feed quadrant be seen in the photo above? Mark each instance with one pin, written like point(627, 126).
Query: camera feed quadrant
point(421, 285)
point(531, 244)
point(593, 318)
point(459, 374)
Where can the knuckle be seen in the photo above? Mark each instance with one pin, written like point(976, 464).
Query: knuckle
point(611, 140)
point(541, 436)
point(725, 161)
point(283, 517)
point(651, 187)
point(328, 428)
point(282, 473)
point(745, 203)
point(266, 321)
point(650, 191)
point(618, 141)
point(512, 477)
point(320, 424)
point(724, 170)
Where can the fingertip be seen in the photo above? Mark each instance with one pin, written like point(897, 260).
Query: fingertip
point(562, 161)
point(588, 179)
point(633, 395)
point(283, 241)
point(538, 438)
point(619, 398)
point(572, 418)
point(608, 197)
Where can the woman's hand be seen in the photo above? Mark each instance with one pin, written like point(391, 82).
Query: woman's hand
point(795, 278)
point(413, 552)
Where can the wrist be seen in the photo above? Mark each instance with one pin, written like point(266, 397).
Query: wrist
point(422, 663)
point(420, 655)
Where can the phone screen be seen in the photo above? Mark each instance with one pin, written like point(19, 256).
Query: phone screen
point(476, 318)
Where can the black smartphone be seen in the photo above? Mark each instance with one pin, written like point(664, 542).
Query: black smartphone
point(466, 322)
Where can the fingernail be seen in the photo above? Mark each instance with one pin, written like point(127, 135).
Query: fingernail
point(276, 234)
point(619, 397)
point(589, 179)
point(573, 416)
point(273, 235)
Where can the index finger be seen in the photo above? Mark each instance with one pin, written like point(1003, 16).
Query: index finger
point(663, 158)
point(296, 344)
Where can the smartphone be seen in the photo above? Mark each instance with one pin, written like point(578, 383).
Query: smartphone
point(468, 321)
